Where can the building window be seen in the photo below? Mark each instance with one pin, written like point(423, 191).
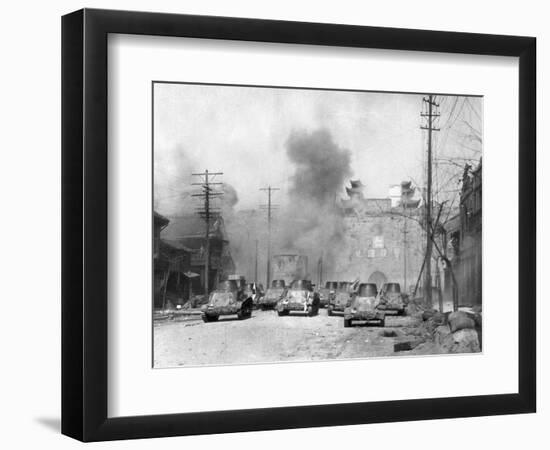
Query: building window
point(371, 253)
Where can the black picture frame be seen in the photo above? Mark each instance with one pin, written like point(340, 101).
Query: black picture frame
point(84, 224)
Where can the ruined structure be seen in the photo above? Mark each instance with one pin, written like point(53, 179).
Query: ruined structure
point(382, 242)
point(464, 240)
point(189, 231)
point(171, 262)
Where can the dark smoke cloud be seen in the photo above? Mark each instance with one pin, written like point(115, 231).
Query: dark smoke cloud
point(321, 166)
point(312, 224)
point(309, 224)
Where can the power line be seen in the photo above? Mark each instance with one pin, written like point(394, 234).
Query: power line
point(472, 108)
point(207, 212)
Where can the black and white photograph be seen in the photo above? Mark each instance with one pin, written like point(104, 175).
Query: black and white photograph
point(297, 224)
point(259, 225)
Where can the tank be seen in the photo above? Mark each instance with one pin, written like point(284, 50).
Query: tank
point(272, 296)
point(341, 298)
point(391, 299)
point(299, 297)
point(367, 290)
point(364, 309)
point(228, 298)
point(393, 288)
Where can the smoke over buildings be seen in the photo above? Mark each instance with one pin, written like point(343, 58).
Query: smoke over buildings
point(311, 224)
point(320, 166)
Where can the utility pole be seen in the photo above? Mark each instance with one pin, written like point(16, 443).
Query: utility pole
point(428, 113)
point(207, 212)
point(269, 207)
point(256, 265)
point(320, 270)
point(404, 250)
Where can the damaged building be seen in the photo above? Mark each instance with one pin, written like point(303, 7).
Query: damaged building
point(464, 241)
point(189, 231)
point(171, 267)
point(382, 239)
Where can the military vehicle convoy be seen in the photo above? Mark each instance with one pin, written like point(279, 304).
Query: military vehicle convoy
point(357, 303)
point(229, 298)
point(300, 297)
point(365, 307)
point(276, 292)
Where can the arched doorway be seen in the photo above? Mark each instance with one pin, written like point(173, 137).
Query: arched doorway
point(378, 278)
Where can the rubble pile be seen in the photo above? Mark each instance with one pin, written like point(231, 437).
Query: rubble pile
point(440, 333)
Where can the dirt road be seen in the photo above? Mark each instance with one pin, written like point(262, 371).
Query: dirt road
point(266, 337)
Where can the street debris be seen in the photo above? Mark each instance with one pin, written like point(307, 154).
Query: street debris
point(388, 333)
point(407, 345)
point(459, 320)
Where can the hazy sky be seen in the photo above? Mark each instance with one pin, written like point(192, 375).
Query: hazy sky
point(242, 131)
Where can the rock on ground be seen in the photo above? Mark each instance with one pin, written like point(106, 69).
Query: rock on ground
point(459, 320)
point(462, 341)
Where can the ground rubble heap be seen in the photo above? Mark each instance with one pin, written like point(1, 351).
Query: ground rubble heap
point(446, 333)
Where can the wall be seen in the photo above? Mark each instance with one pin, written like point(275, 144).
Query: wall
point(30, 186)
point(373, 242)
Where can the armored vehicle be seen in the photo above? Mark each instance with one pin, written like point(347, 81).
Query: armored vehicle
point(229, 298)
point(365, 307)
point(276, 292)
point(301, 297)
point(341, 298)
point(391, 299)
point(326, 292)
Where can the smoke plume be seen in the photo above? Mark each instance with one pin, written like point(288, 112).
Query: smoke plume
point(312, 223)
point(230, 198)
point(321, 166)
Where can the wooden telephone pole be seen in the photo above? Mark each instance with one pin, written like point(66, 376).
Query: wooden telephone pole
point(256, 263)
point(208, 213)
point(269, 207)
point(405, 232)
point(429, 113)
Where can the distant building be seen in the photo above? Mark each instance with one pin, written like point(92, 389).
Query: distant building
point(190, 232)
point(383, 237)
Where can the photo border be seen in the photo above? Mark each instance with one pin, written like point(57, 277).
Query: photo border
point(84, 224)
